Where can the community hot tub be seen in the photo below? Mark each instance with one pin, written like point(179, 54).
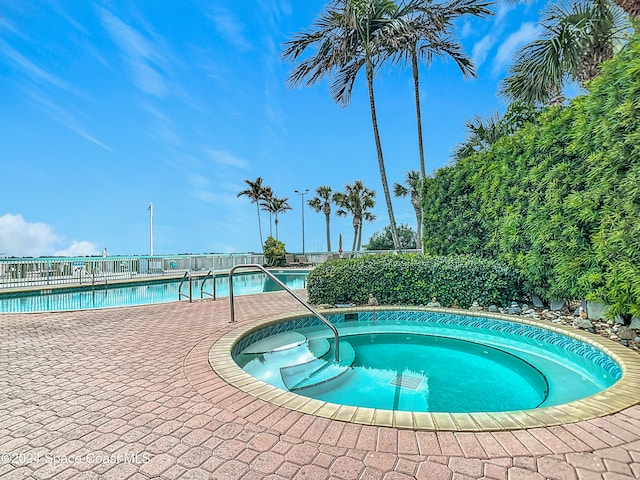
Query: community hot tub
point(432, 369)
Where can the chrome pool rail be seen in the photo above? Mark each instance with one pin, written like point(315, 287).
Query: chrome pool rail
point(212, 275)
point(315, 313)
point(186, 276)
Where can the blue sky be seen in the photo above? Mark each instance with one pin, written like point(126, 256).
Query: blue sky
point(108, 106)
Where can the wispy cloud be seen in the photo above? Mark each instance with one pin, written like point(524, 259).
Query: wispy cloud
point(32, 70)
point(144, 59)
point(525, 34)
point(222, 157)
point(481, 49)
point(65, 118)
point(229, 28)
point(274, 11)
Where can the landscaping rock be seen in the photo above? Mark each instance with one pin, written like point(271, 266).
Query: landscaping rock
point(536, 301)
point(625, 333)
point(582, 323)
point(596, 310)
point(556, 305)
point(514, 309)
point(494, 309)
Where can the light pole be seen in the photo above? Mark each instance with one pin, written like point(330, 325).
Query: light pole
point(302, 194)
point(151, 228)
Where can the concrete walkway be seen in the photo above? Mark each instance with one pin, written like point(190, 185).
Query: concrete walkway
point(128, 393)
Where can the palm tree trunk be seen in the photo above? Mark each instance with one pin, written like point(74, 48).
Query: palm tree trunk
point(355, 236)
point(416, 88)
point(631, 7)
point(259, 226)
point(276, 226)
point(383, 173)
point(419, 228)
point(327, 216)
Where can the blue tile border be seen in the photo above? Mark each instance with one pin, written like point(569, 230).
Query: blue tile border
point(528, 333)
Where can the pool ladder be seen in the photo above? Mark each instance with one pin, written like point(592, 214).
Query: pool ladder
point(189, 277)
point(93, 278)
point(319, 316)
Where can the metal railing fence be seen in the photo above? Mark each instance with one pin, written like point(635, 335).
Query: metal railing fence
point(33, 272)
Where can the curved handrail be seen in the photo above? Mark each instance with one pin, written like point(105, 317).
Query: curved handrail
point(186, 275)
point(210, 274)
point(93, 277)
point(319, 316)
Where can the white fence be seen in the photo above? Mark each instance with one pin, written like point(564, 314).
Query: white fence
point(26, 272)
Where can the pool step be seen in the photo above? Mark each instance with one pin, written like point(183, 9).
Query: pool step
point(321, 372)
point(276, 343)
point(267, 357)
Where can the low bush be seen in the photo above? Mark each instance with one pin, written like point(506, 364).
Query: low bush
point(414, 280)
point(274, 252)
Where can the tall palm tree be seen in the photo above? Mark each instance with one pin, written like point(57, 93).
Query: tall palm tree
point(349, 35)
point(356, 200)
point(255, 193)
point(267, 195)
point(322, 201)
point(431, 35)
point(275, 205)
point(576, 39)
point(412, 187)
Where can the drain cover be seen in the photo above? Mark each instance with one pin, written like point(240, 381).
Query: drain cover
point(407, 381)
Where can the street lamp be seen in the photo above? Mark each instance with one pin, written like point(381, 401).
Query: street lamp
point(302, 194)
point(151, 228)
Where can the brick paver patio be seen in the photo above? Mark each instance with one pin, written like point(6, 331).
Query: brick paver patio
point(128, 393)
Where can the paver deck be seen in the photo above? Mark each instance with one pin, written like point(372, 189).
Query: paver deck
point(128, 393)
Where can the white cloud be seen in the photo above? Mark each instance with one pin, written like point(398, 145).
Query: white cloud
point(466, 30)
point(481, 49)
point(503, 9)
point(77, 249)
point(20, 238)
point(525, 34)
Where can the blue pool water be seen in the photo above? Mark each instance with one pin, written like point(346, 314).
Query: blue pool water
point(141, 293)
point(423, 361)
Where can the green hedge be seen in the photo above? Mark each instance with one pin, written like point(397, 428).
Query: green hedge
point(413, 280)
point(559, 199)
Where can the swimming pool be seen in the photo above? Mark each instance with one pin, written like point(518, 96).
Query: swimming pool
point(411, 367)
point(142, 293)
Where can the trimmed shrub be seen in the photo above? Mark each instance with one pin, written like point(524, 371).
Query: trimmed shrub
point(414, 280)
point(274, 252)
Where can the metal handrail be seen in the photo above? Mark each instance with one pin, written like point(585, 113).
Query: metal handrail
point(93, 277)
point(319, 316)
point(210, 274)
point(187, 274)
